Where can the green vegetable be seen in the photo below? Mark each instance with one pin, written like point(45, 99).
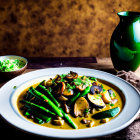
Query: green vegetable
point(8, 65)
point(47, 92)
point(68, 119)
point(86, 91)
point(41, 96)
point(38, 108)
point(40, 115)
point(73, 98)
point(76, 96)
point(38, 120)
point(107, 114)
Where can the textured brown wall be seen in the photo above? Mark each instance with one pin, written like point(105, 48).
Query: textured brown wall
point(59, 27)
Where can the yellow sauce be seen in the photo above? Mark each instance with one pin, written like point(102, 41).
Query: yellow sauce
point(77, 121)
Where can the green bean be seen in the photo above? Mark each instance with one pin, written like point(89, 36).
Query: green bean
point(45, 99)
point(86, 91)
point(38, 107)
point(38, 120)
point(74, 98)
point(40, 115)
point(48, 93)
point(68, 119)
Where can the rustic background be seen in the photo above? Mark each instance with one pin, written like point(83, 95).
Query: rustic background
point(60, 27)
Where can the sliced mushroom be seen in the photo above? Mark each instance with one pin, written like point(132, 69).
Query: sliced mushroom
point(58, 78)
point(96, 100)
point(68, 92)
point(59, 89)
point(74, 74)
point(106, 98)
point(95, 89)
point(58, 122)
point(66, 109)
point(71, 75)
point(81, 87)
point(80, 106)
point(62, 98)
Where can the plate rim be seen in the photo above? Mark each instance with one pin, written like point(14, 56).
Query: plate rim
point(107, 133)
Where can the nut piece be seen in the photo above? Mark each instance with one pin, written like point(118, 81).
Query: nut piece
point(91, 124)
point(58, 122)
point(105, 120)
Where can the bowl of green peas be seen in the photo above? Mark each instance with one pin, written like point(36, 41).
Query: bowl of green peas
point(12, 66)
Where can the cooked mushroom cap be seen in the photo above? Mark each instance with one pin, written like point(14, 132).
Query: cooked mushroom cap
point(80, 106)
point(71, 75)
point(59, 89)
point(81, 87)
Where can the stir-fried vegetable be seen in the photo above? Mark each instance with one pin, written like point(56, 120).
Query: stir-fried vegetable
point(56, 100)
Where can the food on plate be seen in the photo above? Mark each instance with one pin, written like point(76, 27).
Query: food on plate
point(8, 65)
point(70, 101)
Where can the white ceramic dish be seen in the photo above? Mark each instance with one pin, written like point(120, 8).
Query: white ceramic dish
point(8, 108)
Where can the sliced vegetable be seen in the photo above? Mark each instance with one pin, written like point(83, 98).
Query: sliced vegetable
point(71, 75)
point(68, 92)
point(81, 87)
point(96, 100)
point(58, 122)
point(96, 89)
point(106, 98)
point(59, 89)
point(80, 106)
point(62, 98)
point(111, 94)
point(107, 113)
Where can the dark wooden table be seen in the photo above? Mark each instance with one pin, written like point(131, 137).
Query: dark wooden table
point(132, 132)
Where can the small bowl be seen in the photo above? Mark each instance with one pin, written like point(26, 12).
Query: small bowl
point(9, 75)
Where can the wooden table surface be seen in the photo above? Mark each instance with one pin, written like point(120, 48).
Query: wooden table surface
point(132, 132)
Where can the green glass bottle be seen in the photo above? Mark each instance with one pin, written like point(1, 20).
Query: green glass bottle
point(125, 42)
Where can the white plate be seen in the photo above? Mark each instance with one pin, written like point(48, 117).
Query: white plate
point(8, 108)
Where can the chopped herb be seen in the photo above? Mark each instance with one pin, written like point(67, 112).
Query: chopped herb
point(104, 90)
point(102, 86)
point(93, 78)
point(111, 104)
point(86, 111)
point(14, 87)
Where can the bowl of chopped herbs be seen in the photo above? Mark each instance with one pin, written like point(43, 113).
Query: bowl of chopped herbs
point(12, 66)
